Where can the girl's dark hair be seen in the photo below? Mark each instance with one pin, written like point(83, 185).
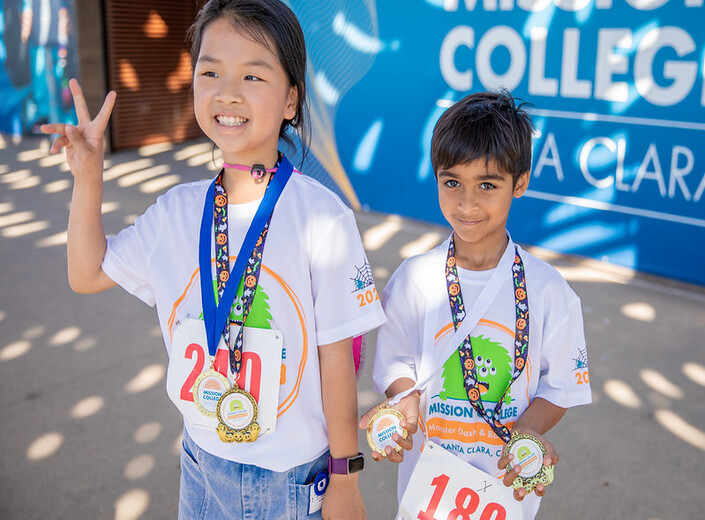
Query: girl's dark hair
point(272, 24)
point(486, 125)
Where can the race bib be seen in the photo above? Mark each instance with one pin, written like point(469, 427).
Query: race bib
point(260, 375)
point(443, 486)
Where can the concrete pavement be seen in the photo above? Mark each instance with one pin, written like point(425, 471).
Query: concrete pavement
point(87, 430)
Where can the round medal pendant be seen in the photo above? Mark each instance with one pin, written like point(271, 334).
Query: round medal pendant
point(384, 423)
point(237, 416)
point(207, 391)
point(528, 453)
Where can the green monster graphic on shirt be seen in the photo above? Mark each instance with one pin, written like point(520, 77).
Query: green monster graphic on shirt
point(259, 316)
point(494, 371)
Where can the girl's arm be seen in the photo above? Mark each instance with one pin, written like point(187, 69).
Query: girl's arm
point(86, 241)
point(339, 394)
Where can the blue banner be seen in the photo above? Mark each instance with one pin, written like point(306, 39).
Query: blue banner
point(619, 106)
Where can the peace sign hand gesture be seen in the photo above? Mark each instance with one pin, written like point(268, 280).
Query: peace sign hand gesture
point(83, 143)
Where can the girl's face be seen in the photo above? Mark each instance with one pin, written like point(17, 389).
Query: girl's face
point(241, 95)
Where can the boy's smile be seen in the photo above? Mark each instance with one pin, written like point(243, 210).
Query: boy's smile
point(475, 199)
point(241, 95)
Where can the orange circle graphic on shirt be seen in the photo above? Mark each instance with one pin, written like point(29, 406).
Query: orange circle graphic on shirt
point(519, 362)
point(521, 294)
point(469, 364)
point(521, 324)
point(293, 394)
point(220, 200)
point(250, 281)
point(221, 238)
point(474, 394)
point(454, 289)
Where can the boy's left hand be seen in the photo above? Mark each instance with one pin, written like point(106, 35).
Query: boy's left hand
point(550, 459)
point(343, 499)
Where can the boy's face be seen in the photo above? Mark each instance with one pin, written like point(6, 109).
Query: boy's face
point(475, 199)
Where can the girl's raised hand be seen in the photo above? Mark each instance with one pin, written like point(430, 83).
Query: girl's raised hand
point(84, 142)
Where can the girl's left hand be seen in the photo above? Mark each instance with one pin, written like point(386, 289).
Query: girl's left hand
point(343, 499)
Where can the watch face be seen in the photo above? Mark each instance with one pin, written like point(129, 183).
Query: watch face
point(356, 464)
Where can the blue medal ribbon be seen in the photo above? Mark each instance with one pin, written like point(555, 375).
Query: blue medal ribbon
point(216, 317)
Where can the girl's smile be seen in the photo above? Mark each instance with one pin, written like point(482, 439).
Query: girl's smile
point(241, 95)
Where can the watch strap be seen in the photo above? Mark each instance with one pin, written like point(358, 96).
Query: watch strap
point(346, 465)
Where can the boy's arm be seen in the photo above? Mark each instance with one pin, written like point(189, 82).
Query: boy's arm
point(339, 395)
point(537, 419)
point(86, 240)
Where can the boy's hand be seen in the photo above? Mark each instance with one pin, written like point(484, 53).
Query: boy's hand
point(409, 407)
point(84, 143)
point(550, 459)
point(343, 499)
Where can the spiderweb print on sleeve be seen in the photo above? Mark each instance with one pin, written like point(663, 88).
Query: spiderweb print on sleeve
point(363, 278)
point(581, 361)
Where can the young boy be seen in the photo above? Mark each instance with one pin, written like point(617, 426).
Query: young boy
point(526, 363)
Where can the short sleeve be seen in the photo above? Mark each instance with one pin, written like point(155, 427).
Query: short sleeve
point(564, 379)
point(126, 259)
point(345, 298)
point(396, 350)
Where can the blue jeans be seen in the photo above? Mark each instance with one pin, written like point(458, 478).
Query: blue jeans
point(215, 488)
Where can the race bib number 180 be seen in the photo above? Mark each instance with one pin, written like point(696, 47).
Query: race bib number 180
point(443, 487)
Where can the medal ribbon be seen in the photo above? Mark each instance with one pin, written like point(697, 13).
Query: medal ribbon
point(467, 359)
point(217, 305)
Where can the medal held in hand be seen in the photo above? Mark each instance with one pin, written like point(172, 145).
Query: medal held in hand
point(528, 453)
point(384, 423)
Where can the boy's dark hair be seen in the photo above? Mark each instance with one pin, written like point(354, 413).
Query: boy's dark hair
point(485, 125)
point(272, 24)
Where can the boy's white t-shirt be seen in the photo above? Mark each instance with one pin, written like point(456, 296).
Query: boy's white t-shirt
point(315, 286)
point(419, 316)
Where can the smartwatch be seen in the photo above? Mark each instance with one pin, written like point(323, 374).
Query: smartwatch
point(347, 465)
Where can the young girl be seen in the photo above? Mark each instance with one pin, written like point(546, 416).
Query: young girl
point(270, 406)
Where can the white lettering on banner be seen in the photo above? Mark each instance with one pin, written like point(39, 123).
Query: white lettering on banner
point(605, 182)
point(644, 173)
point(539, 84)
point(678, 173)
point(683, 74)
point(554, 160)
point(646, 5)
point(501, 36)
point(461, 35)
point(682, 162)
point(609, 63)
point(571, 86)
point(614, 49)
point(535, 6)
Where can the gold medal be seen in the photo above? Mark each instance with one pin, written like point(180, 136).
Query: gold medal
point(237, 416)
point(382, 426)
point(528, 453)
point(207, 391)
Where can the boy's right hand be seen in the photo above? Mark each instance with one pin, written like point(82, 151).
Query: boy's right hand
point(83, 143)
point(409, 407)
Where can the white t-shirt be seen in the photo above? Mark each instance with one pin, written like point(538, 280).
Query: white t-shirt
point(315, 287)
point(419, 316)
